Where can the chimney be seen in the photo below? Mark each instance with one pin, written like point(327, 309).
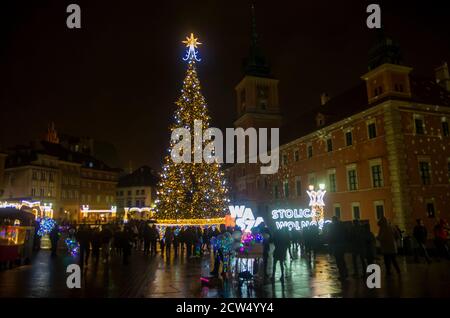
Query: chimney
point(324, 98)
point(442, 76)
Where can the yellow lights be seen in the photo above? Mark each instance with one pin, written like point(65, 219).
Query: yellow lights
point(85, 210)
point(191, 41)
point(191, 222)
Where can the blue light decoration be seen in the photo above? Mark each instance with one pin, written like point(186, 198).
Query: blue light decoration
point(45, 226)
point(191, 53)
point(72, 246)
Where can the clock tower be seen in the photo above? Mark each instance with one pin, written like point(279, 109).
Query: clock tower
point(257, 92)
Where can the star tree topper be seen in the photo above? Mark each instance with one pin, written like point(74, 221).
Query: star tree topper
point(192, 44)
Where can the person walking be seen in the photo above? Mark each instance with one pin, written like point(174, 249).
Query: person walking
point(337, 238)
point(420, 239)
point(357, 240)
point(267, 239)
point(153, 240)
point(440, 238)
point(281, 242)
point(96, 242)
point(83, 239)
point(168, 239)
point(106, 236)
point(147, 237)
point(54, 238)
point(387, 236)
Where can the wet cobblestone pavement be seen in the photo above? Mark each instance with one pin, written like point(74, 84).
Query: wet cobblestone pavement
point(180, 277)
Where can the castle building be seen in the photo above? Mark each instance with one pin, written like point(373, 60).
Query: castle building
point(381, 148)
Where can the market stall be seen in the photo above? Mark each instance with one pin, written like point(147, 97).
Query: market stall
point(16, 236)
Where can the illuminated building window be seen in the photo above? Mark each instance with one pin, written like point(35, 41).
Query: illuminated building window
point(332, 181)
point(286, 188)
point(379, 209)
point(445, 128)
point(329, 145)
point(309, 150)
point(63, 194)
point(312, 179)
point(348, 138)
point(424, 171)
point(337, 210)
point(33, 192)
point(431, 210)
point(298, 186)
point(419, 125)
point(376, 173)
point(356, 211)
point(371, 130)
point(285, 160)
point(352, 178)
point(296, 155)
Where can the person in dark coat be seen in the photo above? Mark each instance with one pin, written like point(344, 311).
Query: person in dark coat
point(127, 237)
point(337, 244)
point(420, 236)
point(357, 242)
point(388, 237)
point(281, 242)
point(154, 234)
point(83, 238)
point(96, 242)
point(266, 248)
point(147, 236)
point(168, 239)
point(176, 242)
point(54, 237)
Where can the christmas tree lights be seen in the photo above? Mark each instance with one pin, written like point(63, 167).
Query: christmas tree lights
point(191, 191)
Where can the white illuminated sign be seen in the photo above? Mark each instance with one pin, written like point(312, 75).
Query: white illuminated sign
point(244, 217)
point(300, 218)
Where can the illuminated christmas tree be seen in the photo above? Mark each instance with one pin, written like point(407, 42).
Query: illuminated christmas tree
point(191, 190)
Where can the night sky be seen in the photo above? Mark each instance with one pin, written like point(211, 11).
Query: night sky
point(116, 79)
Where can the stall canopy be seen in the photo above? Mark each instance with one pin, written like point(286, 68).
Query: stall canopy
point(25, 218)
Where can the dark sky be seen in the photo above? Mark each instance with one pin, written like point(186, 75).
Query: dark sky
point(117, 78)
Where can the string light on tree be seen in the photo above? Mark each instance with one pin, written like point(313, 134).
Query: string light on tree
point(195, 193)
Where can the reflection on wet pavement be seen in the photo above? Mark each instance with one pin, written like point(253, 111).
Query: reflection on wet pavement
point(180, 277)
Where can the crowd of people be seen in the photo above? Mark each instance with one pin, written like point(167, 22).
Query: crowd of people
point(339, 238)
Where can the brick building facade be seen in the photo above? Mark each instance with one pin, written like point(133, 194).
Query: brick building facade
point(381, 148)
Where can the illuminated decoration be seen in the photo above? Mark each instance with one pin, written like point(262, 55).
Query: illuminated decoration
point(45, 226)
point(191, 53)
point(85, 210)
point(316, 202)
point(248, 241)
point(72, 246)
point(16, 222)
point(191, 193)
point(39, 210)
point(147, 210)
point(224, 243)
point(300, 218)
point(191, 222)
point(244, 217)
